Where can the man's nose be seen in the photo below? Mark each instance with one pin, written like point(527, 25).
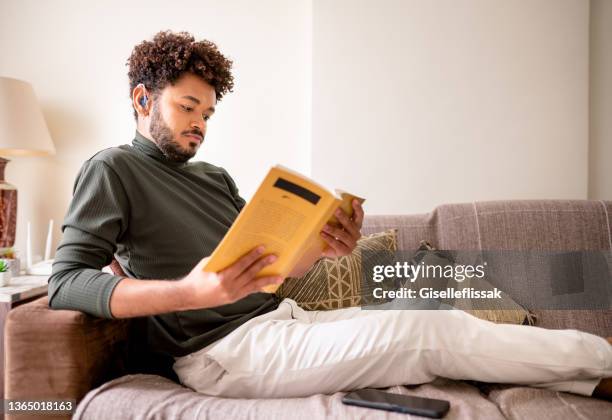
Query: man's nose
point(199, 123)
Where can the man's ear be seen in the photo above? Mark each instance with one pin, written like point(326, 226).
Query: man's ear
point(141, 100)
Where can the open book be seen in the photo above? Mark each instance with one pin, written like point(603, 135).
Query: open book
point(286, 214)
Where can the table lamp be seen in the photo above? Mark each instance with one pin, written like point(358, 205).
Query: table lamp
point(23, 132)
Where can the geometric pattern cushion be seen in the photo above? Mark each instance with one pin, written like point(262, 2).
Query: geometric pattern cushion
point(335, 283)
point(502, 310)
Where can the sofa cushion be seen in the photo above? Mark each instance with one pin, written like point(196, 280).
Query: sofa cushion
point(141, 397)
point(598, 322)
point(336, 282)
point(542, 404)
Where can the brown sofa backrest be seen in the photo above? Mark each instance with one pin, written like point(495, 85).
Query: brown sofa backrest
point(512, 225)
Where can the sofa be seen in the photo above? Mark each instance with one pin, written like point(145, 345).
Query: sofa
point(71, 355)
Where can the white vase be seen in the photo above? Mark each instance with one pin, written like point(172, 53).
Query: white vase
point(5, 278)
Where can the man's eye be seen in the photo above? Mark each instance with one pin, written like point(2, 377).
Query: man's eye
point(187, 108)
point(206, 117)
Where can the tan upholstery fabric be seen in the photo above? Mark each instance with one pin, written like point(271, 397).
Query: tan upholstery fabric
point(598, 322)
point(518, 403)
point(141, 397)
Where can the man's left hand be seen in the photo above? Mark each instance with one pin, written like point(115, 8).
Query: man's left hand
point(342, 240)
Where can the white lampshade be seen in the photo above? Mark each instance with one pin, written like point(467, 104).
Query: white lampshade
point(23, 131)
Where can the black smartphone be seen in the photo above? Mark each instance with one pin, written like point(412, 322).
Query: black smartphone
point(374, 398)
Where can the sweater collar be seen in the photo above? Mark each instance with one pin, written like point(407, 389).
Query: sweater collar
point(149, 148)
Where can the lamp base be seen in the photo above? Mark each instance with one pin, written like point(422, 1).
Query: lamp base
point(8, 209)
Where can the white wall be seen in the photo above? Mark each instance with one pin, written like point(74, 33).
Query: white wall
point(74, 54)
point(600, 151)
point(414, 102)
point(418, 103)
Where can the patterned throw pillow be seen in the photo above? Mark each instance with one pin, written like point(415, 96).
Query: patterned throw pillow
point(335, 283)
point(501, 311)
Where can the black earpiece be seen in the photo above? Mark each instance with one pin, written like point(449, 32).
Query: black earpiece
point(143, 101)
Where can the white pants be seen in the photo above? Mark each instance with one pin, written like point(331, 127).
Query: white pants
point(290, 352)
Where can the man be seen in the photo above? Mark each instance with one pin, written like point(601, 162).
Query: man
point(158, 214)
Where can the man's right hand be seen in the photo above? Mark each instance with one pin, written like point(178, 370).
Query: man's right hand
point(207, 289)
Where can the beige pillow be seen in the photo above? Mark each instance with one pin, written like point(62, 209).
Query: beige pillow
point(501, 311)
point(335, 283)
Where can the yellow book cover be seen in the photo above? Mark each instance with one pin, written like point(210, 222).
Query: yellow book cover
point(286, 214)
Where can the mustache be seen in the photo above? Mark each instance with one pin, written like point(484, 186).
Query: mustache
point(195, 131)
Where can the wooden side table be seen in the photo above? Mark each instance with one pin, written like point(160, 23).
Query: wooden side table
point(20, 290)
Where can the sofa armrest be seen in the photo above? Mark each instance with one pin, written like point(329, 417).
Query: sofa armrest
point(63, 354)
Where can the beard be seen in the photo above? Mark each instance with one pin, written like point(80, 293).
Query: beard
point(164, 138)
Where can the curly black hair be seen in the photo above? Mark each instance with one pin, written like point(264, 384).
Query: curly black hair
point(163, 60)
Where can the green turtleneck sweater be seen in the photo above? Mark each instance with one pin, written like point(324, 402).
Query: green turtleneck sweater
point(158, 218)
